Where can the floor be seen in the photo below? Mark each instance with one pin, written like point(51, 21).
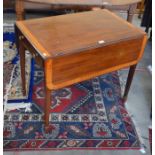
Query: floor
point(138, 104)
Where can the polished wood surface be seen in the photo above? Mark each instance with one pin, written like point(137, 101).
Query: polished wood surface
point(127, 5)
point(77, 47)
point(91, 61)
point(63, 35)
point(86, 2)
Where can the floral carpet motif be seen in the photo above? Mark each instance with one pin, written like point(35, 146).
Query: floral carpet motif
point(11, 69)
point(87, 115)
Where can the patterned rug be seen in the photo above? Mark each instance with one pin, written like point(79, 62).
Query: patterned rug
point(87, 115)
point(11, 69)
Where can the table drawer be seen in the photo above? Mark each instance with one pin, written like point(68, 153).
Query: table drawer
point(92, 62)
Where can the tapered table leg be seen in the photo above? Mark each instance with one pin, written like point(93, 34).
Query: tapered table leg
point(47, 94)
point(47, 106)
point(131, 11)
point(22, 66)
point(129, 81)
point(20, 13)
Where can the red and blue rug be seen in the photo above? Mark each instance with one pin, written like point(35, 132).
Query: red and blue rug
point(87, 115)
point(11, 67)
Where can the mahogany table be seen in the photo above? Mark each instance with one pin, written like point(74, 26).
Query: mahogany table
point(125, 5)
point(76, 47)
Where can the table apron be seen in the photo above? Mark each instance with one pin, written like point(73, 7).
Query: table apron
point(66, 70)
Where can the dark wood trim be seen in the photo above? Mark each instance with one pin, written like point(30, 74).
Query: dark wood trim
point(47, 106)
point(129, 81)
point(22, 64)
point(20, 11)
point(131, 12)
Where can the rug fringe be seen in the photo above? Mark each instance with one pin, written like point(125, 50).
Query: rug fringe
point(122, 84)
point(8, 24)
point(8, 87)
point(17, 106)
point(8, 27)
point(142, 145)
point(14, 106)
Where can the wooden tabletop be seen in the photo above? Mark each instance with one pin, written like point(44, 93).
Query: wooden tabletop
point(67, 34)
point(86, 2)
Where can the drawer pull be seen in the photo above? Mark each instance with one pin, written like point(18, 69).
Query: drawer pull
point(21, 37)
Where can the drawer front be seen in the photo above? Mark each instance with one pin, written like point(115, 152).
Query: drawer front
point(89, 63)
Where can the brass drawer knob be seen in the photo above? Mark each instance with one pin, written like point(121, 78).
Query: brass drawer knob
point(21, 37)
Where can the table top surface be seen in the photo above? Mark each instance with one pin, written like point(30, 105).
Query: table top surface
point(72, 33)
point(86, 2)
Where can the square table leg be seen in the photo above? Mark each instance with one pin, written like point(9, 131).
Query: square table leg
point(131, 12)
point(48, 96)
point(129, 81)
point(20, 13)
point(47, 106)
point(21, 50)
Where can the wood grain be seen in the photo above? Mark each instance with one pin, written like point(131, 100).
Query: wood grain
point(129, 81)
point(63, 35)
point(85, 2)
point(20, 12)
point(71, 67)
point(82, 5)
point(22, 68)
point(77, 47)
point(90, 47)
point(75, 68)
